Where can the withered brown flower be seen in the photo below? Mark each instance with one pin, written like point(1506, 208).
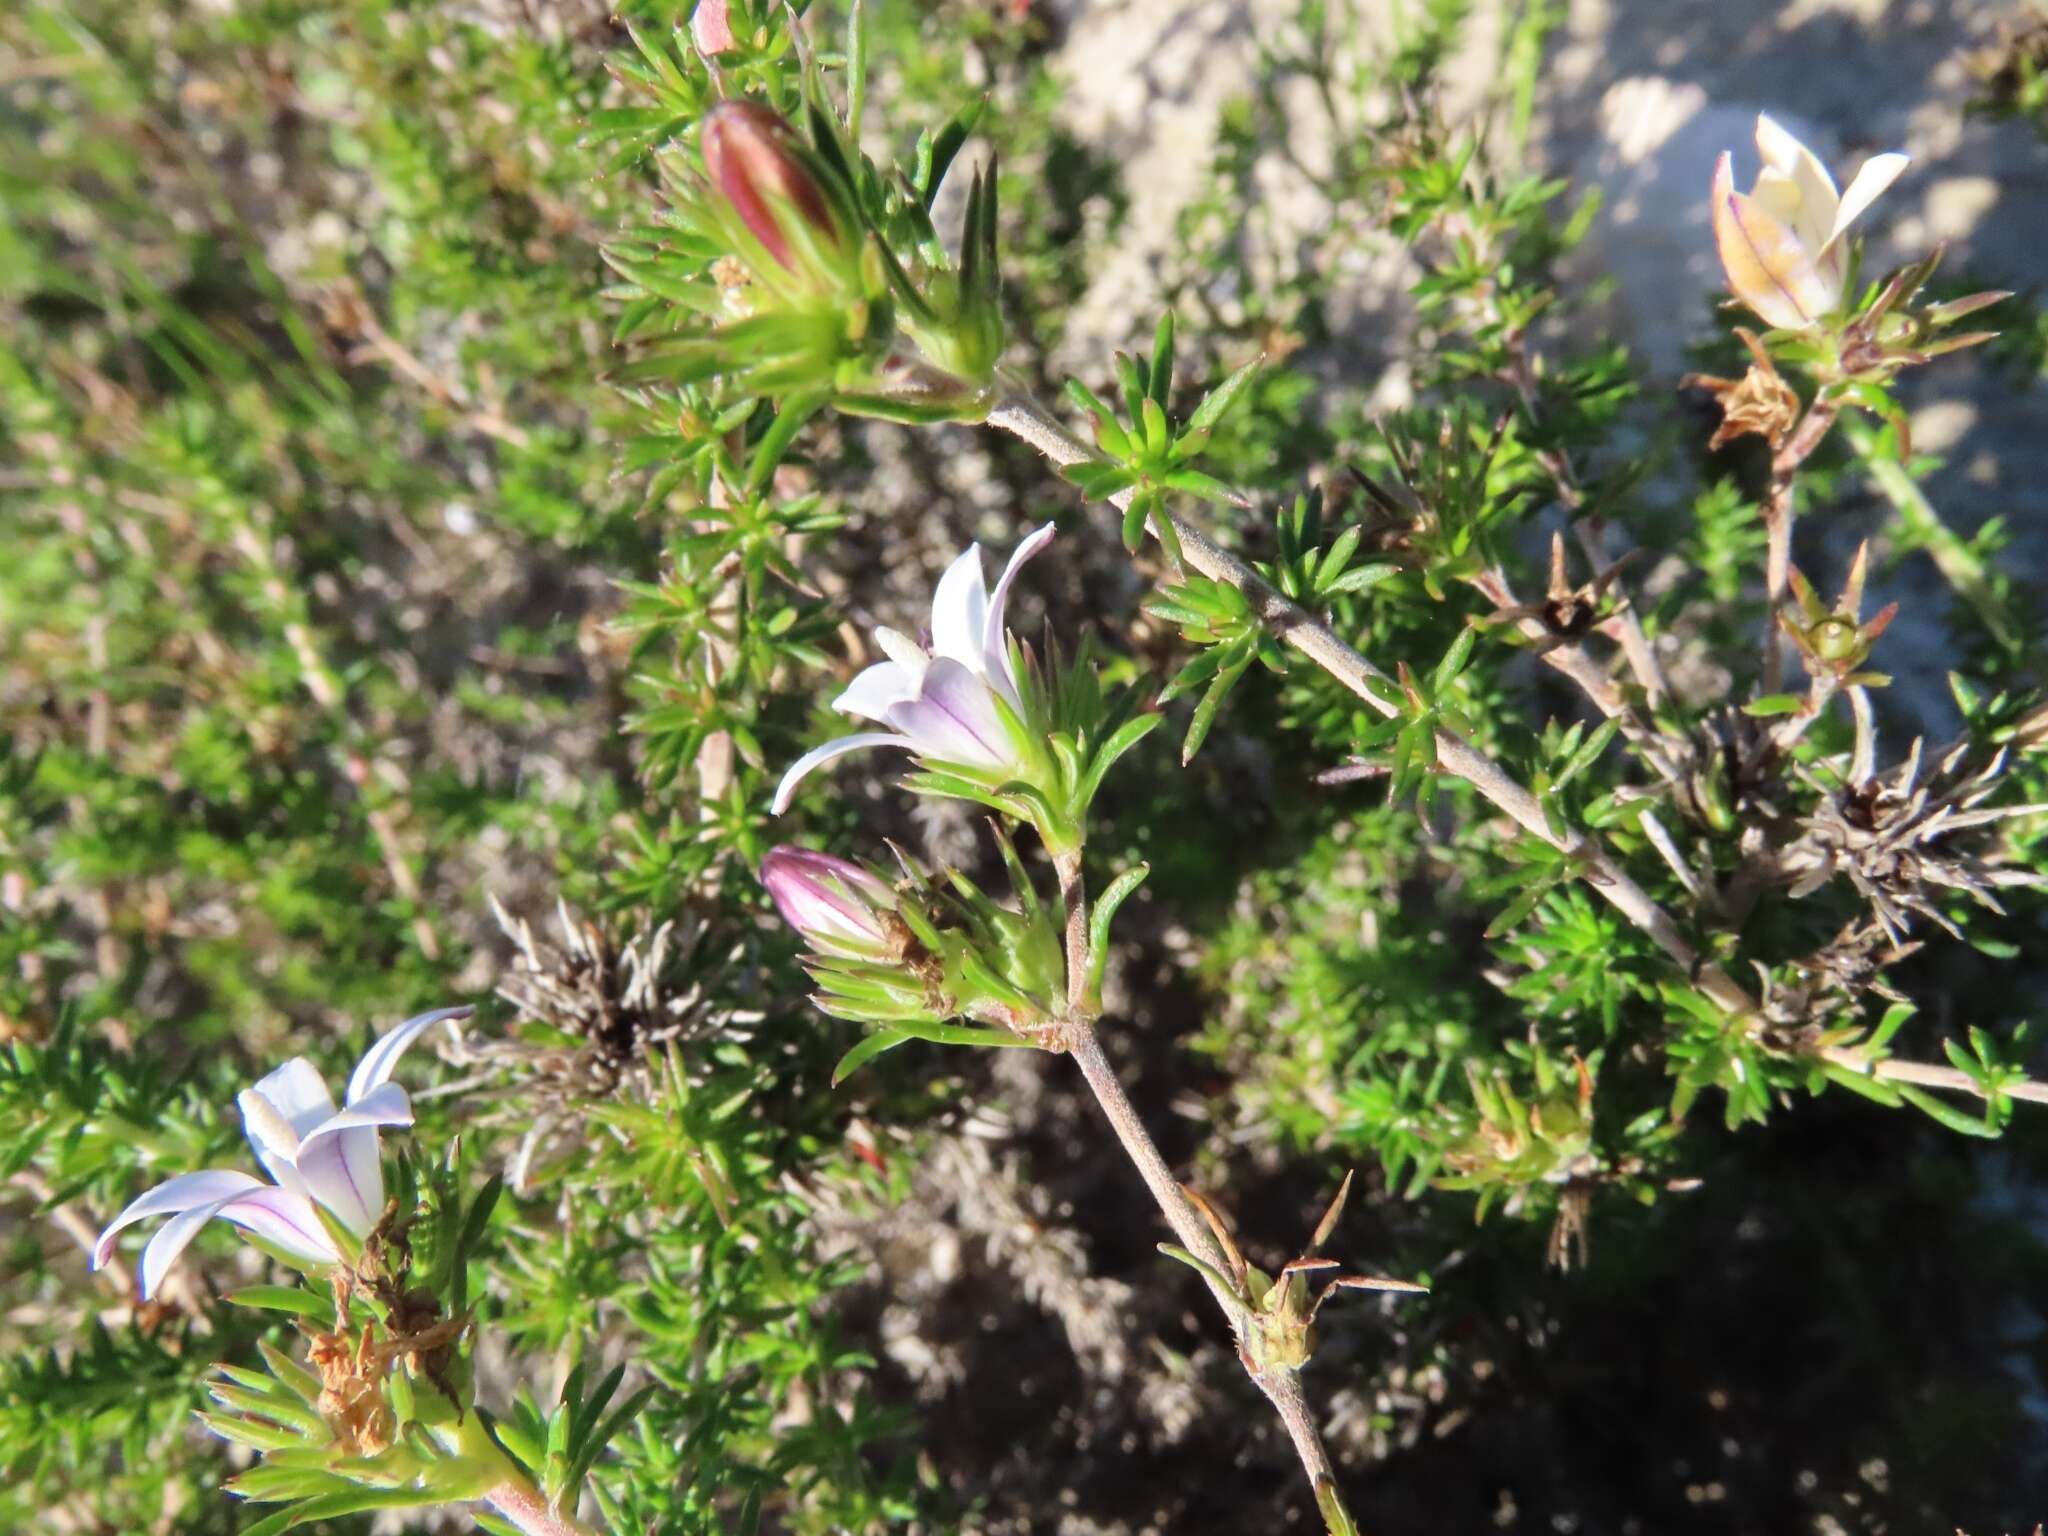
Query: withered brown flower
point(1759, 402)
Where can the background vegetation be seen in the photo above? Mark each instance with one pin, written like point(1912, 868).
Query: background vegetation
point(366, 648)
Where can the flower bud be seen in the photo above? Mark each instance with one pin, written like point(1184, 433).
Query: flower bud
point(711, 28)
point(778, 189)
point(841, 909)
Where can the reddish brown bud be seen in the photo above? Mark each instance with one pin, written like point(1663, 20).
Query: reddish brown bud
point(750, 154)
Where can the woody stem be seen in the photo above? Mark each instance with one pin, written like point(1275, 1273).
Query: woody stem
point(1281, 1388)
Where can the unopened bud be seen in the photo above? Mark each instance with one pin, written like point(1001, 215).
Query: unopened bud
point(762, 169)
point(711, 28)
point(840, 908)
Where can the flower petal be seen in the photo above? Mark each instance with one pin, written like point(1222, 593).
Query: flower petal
point(1767, 267)
point(1807, 190)
point(381, 1059)
point(826, 898)
point(344, 1172)
point(340, 1161)
point(960, 610)
point(1869, 183)
point(818, 756)
point(954, 719)
point(298, 1095)
point(179, 1194)
point(284, 1220)
point(995, 646)
point(172, 1239)
point(270, 1129)
point(870, 694)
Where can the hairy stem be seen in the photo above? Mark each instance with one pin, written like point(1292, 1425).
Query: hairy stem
point(1797, 449)
point(521, 1503)
point(1074, 897)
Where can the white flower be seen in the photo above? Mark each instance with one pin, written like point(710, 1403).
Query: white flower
point(940, 703)
point(315, 1153)
point(1782, 245)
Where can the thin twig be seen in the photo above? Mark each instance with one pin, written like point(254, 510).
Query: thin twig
point(1577, 664)
point(1796, 450)
point(1282, 1388)
point(1024, 418)
point(1589, 530)
point(1923, 1074)
point(74, 1224)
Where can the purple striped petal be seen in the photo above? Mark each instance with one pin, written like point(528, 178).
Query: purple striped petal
point(341, 1163)
point(344, 1172)
point(172, 1239)
point(284, 1220)
point(180, 1194)
point(954, 719)
point(818, 756)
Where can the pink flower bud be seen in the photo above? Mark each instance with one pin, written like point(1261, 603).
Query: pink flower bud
point(835, 904)
point(751, 156)
point(711, 28)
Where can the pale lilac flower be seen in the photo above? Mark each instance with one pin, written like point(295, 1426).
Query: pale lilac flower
point(834, 903)
point(940, 701)
point(1781, 245)
point(315, 1153)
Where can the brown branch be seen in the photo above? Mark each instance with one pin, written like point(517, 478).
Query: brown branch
point(1589, 531)
point(1024, 418)
point(1797, 449)
point(1282, 1388)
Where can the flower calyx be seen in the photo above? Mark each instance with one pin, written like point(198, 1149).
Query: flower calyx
point(1837, 642)
point(1275, 1314)
point(913, 955)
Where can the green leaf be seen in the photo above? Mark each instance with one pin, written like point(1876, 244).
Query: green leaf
point(1947, 1114)
point(1774, 704)
point(1225, 395)
point(286, 1298)
point(1454, 661)
point(867, 1050)
point(1104, 914)
point(1162, 362)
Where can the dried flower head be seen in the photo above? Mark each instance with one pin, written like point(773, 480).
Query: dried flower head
point(1760, 402)
point(1904, 838)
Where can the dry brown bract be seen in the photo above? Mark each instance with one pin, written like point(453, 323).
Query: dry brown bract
point(352, 1366)
point(1759, 402)
point(619, 1000)
point(1896, 836)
